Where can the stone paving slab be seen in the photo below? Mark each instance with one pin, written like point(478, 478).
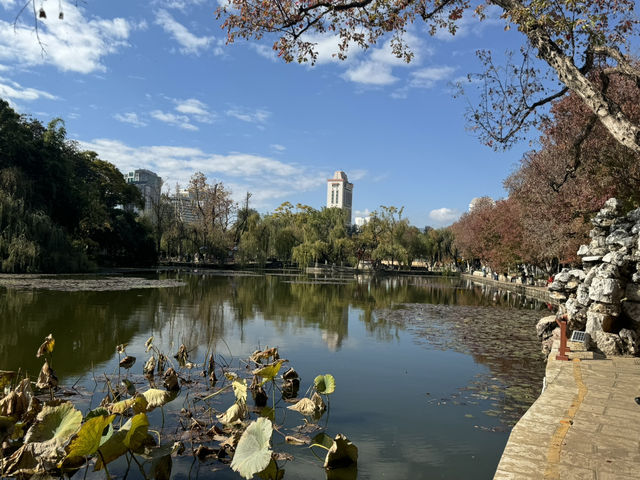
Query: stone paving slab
point(584, 425)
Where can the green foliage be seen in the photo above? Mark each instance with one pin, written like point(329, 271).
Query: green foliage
point(61, 209)
point(253, 454)
point(325, 384)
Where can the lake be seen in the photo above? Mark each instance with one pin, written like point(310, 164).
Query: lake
point(431, 372)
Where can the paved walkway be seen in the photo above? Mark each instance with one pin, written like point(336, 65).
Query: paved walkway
point(585, 425)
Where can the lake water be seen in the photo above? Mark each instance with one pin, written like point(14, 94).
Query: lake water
point(431, 372)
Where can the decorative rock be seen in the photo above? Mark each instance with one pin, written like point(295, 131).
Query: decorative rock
point(620, 238)
point(612, 309)
point(583, 250)
point(545, 326)
point(559, 297)
point(593, 258)
point(615, 258)
point(582, 295)
point(577, 274)
point(606, 270)
point(629, 341)
point(632, 311)
point(608, 343)
point(598, 322)
point(605, 290)
point(547, 343)
point(563, 276)
point(607, 214)
point(634, 216)
point(633, 292)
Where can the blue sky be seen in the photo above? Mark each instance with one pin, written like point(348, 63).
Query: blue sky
point(153, 85)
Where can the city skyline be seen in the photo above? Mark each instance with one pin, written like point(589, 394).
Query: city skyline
point(156, 88)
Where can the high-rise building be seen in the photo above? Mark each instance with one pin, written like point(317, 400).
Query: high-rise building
point(340, 193)
point(184, 207)
point(149, 184)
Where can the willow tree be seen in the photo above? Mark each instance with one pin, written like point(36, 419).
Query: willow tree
point(572, 38)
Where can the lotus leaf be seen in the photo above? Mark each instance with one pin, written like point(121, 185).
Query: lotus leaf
point(158, 398)
point(240, 389)
point(252, 454)
point(325, 384)
point(139, 404)
point(131, 436)
point(47, 378)
point(44, 441)
point(269, 372)
point(235, 413)
point(88, 439)
point(149, 366)
point(342, 453)
point(47, 346)
point(55, 423)
point(272, 472)
point(309, 406)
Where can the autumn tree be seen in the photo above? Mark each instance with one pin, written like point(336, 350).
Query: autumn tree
point(572, 39)
point(569, 177)
point(214, 210)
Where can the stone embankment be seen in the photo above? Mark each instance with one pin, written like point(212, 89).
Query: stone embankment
point(539, 293)
point(584, 425)
point(603, 297)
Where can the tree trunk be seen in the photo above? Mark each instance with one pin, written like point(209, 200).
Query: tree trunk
point(614, 120)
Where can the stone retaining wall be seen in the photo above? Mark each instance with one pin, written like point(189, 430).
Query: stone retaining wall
point(603, 297)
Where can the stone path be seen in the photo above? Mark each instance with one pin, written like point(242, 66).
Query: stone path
point(585, 425)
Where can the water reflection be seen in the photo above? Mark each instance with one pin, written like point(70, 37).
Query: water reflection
point(90, 324)
point(354, 328)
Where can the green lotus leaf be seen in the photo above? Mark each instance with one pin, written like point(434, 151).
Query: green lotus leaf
point(253, 453)
point(269, 372)
point(325, 384)
point(88, 439)
point(55, 423)
point(131, 436)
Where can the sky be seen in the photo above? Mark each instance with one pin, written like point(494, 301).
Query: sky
point(152, 84)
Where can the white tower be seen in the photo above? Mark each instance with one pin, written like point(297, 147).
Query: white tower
point(340, 193)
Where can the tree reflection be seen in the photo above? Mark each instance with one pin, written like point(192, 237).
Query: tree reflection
point(88, 325)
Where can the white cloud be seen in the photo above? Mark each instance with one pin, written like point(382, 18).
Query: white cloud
point(277, 147)
point(130, 118)
point(180, 121)
point(429, 76)
point(371, 73)
point(8, 4)
point(377, 67)
point(255, 116)
point(444, 215)
point(358, 174)
point(267, 178)
point(189, 43)
point(195, 108)
point(73, 44)
point(15, 91)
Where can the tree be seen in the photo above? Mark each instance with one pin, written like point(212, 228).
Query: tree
point(214, 208)
point(573, 38)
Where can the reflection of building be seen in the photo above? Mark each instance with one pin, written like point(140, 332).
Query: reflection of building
point(149, 185)
point(340, 193)
point(184, 206)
